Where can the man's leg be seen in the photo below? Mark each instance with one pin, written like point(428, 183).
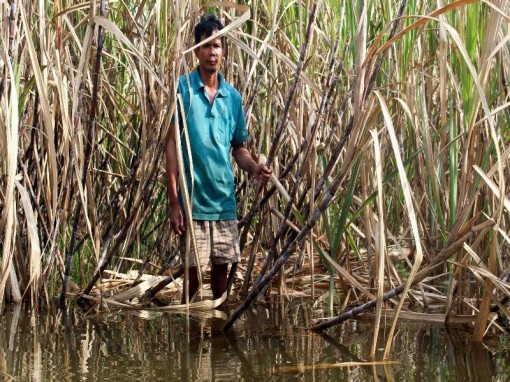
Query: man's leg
point(224, 251)
point(201, 229)
point(219, 273)
point(219, 276)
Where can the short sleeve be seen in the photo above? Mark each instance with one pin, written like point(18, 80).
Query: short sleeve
point(240, 132)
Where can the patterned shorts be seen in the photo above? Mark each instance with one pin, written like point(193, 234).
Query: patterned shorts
point(217, 241)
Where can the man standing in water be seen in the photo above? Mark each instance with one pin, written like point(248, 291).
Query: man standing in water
point(216, 126)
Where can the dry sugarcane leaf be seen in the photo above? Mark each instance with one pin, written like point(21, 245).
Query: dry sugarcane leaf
point(346, 274)
point(138, 290)
point(286, 60)
point(48, 118)
point(494, 188)
point(7, 221)
point(245, 16)
point(204, 305)
point(110, 26)
point(77, 7)
point(33, 240)
point(380, 248)
point(406, 188)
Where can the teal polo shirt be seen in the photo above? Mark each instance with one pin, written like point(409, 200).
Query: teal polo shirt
point(213, 129)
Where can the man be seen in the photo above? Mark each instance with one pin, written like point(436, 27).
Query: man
point(216, 126)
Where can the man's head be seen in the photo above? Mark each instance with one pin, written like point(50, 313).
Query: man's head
point(206, 27)
point(210, 54)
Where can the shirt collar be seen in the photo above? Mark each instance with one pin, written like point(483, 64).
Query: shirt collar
point(198, 84)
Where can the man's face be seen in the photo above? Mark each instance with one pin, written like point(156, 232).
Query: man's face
point(210, 54)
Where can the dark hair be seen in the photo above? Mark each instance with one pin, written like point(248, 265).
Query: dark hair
point(207, 25)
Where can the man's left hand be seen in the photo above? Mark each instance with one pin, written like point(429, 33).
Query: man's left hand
point(262, 172)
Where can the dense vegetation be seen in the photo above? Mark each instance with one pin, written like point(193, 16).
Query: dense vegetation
point(386, 123)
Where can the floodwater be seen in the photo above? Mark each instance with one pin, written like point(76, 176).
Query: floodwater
point(270, 343)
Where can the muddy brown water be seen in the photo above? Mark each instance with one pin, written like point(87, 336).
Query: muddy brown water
point(269, 343)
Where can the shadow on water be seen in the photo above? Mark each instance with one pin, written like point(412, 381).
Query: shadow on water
point(270, 343)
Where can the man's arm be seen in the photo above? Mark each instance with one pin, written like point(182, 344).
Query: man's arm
point(244, 159)
point(172, 176)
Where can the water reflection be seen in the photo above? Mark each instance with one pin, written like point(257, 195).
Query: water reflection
point(269, 343)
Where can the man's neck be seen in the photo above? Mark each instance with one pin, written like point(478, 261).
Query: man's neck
point(211, 80)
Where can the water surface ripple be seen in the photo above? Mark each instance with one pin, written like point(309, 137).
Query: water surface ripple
point(270, 343)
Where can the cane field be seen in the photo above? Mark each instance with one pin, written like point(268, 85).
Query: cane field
point(386, 124)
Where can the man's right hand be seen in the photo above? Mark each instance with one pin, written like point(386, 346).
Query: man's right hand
point(177, 219)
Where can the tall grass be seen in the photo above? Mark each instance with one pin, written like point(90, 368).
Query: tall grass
point(87, 92)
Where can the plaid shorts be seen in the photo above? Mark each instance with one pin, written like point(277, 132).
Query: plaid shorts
point(217, 241)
